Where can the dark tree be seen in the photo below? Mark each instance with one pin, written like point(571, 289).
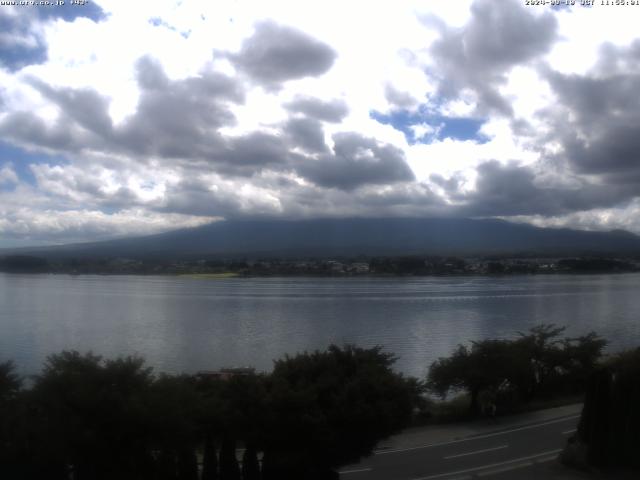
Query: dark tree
point(11, 415)
point(10, 382)
point(328, 409)
point(187, 463)
point(23, 264)
point(167, 465)
point(610, 421)
point(519, 370)
point(250, 464)
point(486, 366)
point(92, 415)
point(229, 468)
point(173, 409)
point(209, 459)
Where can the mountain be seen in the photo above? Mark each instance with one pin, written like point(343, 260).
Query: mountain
point(348, 237)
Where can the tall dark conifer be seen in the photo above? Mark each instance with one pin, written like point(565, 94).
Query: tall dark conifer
point(250, 464)
point(187, 464)
point(210, 460)
point(229, 468)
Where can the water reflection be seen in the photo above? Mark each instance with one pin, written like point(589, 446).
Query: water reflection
point(184, 324)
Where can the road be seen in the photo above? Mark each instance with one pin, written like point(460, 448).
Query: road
point(488, 454)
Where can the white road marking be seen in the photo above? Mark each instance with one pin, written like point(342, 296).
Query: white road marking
point(476, 452)
point(478, 437)
point(545, 460)
point(522, 461)
point(569, 432)
point(506, 468)
point(344, 472)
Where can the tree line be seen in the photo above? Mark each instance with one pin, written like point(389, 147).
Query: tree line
point(88, 418)
point(609, 429)
point(505, 373)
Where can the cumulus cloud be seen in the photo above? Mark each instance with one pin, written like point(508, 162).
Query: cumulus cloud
point(398, 98)
point(274, 114)
point(513, 190)
point(597, 118)
point(498, 37)
point(22, 38)
point(277, 53)
point(8, 175)
point(173, 119)
point(329, 111)
point(356, 161)
point(78, 225)
point(306, 133)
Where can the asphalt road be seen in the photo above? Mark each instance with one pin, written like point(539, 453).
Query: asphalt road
point(485, 455)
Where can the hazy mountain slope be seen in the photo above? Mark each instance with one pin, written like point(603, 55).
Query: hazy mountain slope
point(324, 237)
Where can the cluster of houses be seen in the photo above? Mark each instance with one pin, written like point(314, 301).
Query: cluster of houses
point(400, 265)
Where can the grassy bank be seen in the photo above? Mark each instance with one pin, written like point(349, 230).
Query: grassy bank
point(210, 276)
point(457, 409)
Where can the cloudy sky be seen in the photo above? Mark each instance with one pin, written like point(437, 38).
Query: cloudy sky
point(125, 118)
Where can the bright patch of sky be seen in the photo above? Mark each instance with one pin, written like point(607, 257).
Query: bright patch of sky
point(20, 161)
point(423, 127)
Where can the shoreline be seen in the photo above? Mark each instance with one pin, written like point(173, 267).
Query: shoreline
point(226, 275)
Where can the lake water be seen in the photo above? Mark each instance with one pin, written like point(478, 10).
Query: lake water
point(184, 324)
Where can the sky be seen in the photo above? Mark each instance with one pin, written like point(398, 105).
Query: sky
point(122, 118)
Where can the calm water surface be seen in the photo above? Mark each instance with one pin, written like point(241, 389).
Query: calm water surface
point(185, 324)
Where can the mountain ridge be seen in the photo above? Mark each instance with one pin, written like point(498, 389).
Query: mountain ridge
point(352, 237)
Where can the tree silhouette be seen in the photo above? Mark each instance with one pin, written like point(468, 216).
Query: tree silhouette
point(331, 408)
point(89, 418)
point(229, 468)
point(209, 459)
point(96, 413)
point(610, 421)
point(537, 362)
point(250, 464)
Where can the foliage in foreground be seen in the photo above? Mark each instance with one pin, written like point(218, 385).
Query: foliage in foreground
point(89, 418)
point(610, 421)
point(504, 373)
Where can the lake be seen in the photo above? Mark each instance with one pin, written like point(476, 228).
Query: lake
point(182, 324)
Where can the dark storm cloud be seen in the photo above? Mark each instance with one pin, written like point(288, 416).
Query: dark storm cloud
point(21, 35)
point(150, 74)
point(614, 58)
point(507, 190)
point(179, 119)
point(596, 121)
point(330, 111)
point(197, 197)
point(499, 36)
point(599, 126)
point(276, 53)
point(307, 134)
point(357, 161)
point(173, 119)
point(450, 185)
point(84, 106)
point(28, 129)
point(177, 124)
point(248, 154)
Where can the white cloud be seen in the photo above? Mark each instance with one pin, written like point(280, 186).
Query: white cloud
point(79, 225)
point(8, 175)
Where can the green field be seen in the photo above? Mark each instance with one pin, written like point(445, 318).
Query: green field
point(206, 276)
